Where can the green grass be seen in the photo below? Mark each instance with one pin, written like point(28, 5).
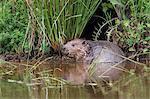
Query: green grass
point(59, 21)
point(13, 23)
point(39, 25)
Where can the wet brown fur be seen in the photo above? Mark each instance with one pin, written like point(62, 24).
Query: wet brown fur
point(103, 54)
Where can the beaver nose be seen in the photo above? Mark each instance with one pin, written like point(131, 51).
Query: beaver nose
point(63, 48)
point(64, 51)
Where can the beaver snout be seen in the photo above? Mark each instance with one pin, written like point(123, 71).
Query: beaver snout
point(63, 48)
point(64, 51)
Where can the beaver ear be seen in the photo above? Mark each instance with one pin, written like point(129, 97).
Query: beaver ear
point(84, 42)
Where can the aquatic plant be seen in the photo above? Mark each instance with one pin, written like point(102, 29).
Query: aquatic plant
point(60, 20)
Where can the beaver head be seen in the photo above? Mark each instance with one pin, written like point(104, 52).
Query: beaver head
point(77, 49)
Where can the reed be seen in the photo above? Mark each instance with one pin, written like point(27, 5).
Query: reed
point(61, 20)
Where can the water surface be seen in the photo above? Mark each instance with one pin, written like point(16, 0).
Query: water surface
point(19, 83)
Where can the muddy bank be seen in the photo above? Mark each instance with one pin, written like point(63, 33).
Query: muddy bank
point(23, 56)
point(28, 57)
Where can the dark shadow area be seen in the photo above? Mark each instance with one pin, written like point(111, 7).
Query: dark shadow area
point(95, 20)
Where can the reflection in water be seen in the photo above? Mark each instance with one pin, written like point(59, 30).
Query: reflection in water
point(138, 89)
point(13, 91)
point(130, 87)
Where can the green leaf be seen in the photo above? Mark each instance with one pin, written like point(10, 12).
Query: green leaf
point(147, 38)
point(148, 25)
point(116, 2)
point(126, 23)
point(145, 50)
point(131, 49)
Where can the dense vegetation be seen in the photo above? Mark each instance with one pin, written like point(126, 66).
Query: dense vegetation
point(13, 25)
point(27, 25)
point(31, 25)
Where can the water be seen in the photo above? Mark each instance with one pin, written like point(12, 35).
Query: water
point(17, 85)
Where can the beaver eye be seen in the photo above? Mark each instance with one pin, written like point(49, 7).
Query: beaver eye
point(73, 45)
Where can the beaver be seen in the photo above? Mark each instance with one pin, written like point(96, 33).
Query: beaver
point(102, 59)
